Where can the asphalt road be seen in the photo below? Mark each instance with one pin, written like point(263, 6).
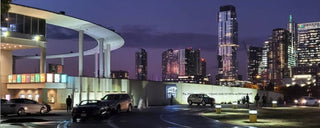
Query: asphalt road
point(154, 117)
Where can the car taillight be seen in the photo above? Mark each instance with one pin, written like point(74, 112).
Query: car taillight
point(12, 105)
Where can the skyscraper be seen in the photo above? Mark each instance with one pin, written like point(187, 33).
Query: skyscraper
point(183, 62)
point(141, 65)
point(263, 67)
point(203, 67)
point(228, 44)
point(308, 47)
point(278, 56)
point(292, 28)
point(255, 58)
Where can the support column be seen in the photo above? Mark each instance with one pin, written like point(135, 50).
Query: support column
point(62, 61)
point(80, 62)
point(107, 61)
point(96, 64)
point(80, 53)
point(43, 59)
point(100, 42)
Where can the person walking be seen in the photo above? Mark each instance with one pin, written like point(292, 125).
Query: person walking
point(247, 100)
point(171, 100)
point(264, 100)
point(256, 98)
point(68, 102)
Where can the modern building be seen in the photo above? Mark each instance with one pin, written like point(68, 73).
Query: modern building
point(263, 66)
point(183, 65)
point(254, 60)
point(308, 46)
point(292, 28)
point(203, 67)
point(228, 45)
point(25, 27)
point(278, 56)
point(120, 74)
point(141, 65)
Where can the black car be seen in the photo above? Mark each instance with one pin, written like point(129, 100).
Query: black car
point(90, 108)
point(202, 99)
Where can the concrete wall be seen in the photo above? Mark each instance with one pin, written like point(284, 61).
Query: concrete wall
point(155, 92)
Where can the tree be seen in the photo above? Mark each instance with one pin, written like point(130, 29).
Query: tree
point(5, 6)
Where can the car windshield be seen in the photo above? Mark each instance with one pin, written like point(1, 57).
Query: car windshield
point(89, 102)
point(205, 95)
point(17, 101)
point(112, 97)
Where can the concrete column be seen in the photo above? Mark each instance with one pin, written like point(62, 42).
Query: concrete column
point(96, 64)
point(100, 42)
point(80, 53)
point(43, 59)
point(107, 61)
point(62, 61)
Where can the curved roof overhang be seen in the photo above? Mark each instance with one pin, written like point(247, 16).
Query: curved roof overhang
point(95, 31)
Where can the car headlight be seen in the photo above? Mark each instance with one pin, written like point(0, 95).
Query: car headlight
point(295, 101)
point(304, 101)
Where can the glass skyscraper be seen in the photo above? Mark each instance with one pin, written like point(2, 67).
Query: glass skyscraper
point(141, 65)
point(228, 45)
point(308, 47)
point(255, 58)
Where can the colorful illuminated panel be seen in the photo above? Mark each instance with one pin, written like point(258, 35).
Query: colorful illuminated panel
point(23, 78)
point(37, 76)
point(9, 78)
point(28, 79)
point(19, 78)
point(63, 78)
point(56, 78)
point(14, 78)
point(42, 77)
point(50, 77)
point(32, 78)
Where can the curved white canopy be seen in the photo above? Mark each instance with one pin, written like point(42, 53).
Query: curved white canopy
point(91, 29)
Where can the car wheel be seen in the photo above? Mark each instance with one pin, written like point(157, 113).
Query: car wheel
point(42, 111)
point(203, 103)
point(190, 102)
point(21, 112)
point(118, 109)
point(129, 108)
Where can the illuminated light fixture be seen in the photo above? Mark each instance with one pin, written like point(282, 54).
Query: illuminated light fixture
point(255, 112)
point(20, 45)
point(49, 77)
point(5, 34)
point(36, 38)
point(218, 106)
point(56, 78)
point(7, 19)
point(274, 102)
point(295, 101)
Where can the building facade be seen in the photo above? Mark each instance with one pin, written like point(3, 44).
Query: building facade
point(278, 56)
point(308, 46)
point(120, 74)
point(227, 46)
point(254, 60)
point(141, 65)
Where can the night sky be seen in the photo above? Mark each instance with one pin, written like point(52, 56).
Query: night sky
point(158, 25)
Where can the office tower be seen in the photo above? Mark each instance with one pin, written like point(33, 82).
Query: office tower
point(181, 65)
point(170, 65)
point(308, 47)
point(203, 67)
point(141, 65)
point(228, 44)
point(263, 67)
point(292, 28)
point(278, 56)
point(255, 58)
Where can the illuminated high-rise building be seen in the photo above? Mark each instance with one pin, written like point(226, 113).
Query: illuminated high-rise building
point(255, 58)
point(141, 64)
point(228, 45)
point(308, 46)
point(263, 66)
point(278, 56)
point(183, 63)
point(292, 28)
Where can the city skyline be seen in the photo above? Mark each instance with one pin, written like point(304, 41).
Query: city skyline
point(185, 34)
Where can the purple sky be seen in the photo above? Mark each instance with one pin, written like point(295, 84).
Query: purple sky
point(157, 25)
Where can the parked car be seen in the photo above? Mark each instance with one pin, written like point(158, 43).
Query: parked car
point(306, 100)
point(22, 106)
point(118, 102)
point(202, 99)
point(90, 108)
